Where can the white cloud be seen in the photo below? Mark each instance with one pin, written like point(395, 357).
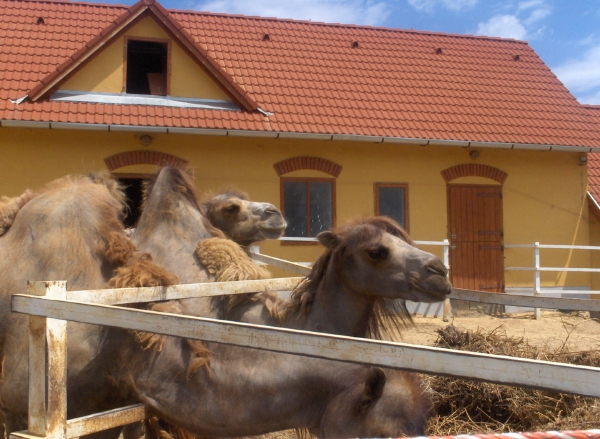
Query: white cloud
point(582, 75)
point(371, 12)
point(506, 26)
point(429, 5)
point(523, 23)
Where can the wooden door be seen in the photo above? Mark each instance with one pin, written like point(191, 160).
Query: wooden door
point(476, 237)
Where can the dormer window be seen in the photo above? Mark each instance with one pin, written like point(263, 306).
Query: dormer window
point(147, 67)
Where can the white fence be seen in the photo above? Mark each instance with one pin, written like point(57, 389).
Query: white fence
point(47, 355)
point(537, 267)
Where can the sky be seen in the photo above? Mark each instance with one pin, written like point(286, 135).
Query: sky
point(565, 34)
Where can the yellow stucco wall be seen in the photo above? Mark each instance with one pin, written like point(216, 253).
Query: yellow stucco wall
point(104, 73)
point(594, 255)
point(544, 194)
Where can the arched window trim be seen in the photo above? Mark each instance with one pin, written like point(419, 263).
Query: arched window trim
point(307, 162)
point(142, 157)
point(473, 170)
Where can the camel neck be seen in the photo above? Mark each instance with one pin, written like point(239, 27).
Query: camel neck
point(337, 309)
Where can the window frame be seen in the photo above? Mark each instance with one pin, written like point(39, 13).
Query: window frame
point(307, 180)
point(165, 41)
point(378, 185)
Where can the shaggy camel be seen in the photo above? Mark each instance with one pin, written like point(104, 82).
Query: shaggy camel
point(72, 231)
point(242, 220)
point(205, 387)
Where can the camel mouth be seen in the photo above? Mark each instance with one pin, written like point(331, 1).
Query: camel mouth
point(435, 294)
point(272, 232)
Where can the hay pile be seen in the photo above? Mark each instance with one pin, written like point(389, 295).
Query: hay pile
point(471, 407)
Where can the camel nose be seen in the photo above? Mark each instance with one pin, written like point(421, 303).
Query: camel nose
point(436, 266)
point(272, 210)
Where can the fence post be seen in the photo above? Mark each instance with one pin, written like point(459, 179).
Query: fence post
point(537, 285)
point(446, 259)
point(48, 367)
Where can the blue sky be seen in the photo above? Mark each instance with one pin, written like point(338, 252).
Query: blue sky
point(565, 34)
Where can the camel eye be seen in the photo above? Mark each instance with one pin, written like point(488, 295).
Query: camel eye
point(232, 208)
point(378, 254)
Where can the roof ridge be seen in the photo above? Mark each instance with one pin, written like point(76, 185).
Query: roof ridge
point(356, 26)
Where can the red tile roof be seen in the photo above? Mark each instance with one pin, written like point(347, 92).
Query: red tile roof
point(308, 75)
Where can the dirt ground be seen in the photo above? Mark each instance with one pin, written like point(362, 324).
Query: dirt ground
point(555, 328)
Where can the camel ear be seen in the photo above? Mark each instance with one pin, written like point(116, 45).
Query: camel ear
point(373, 384)
point(329, 239)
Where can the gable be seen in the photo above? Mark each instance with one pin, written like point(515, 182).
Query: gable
point(105, 73)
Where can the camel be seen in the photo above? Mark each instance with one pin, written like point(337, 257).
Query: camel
point(215, 390)
point(350, 275)
point(211, 389)
point(71, 230)
point(242, 220)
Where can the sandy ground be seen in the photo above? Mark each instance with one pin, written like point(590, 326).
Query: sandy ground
point(576, 329)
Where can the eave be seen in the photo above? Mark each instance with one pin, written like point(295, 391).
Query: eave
point(298, 135)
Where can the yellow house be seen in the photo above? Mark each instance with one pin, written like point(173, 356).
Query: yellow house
point(469, 139)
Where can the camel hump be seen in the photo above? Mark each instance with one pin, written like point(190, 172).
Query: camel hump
point(10, 207)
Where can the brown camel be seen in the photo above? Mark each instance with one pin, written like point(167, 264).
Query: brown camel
point(242, 220)
point(217, 390)
point(342, 278)
point(71, 230)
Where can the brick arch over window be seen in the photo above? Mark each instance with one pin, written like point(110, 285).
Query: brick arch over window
point(305, 162)
point(142, 157)
point(473, 170)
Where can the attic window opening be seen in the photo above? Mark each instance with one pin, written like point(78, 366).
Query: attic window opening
point(517, 58)
point(266, 37)
point(40, 20)
point(147, 66)
point(438, 50)
point(355, 44)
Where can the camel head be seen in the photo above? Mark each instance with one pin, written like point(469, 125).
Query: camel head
point(242, 220)
point(376, 257)
point(388, 403)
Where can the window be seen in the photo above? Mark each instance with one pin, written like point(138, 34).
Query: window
point(133, 187)
point(308, 205)
point(391, 199)
point(147, 66)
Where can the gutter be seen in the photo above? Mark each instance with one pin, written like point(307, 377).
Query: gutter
point(303, 136)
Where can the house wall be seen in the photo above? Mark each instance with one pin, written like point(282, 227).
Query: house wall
point(594, 255)
point(105, 72)
point(544, 194)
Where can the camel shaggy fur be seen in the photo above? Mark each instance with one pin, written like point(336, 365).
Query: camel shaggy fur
point(9, 207)
point(70, 230)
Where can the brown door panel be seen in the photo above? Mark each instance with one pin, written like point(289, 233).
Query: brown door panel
point(476, 235)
